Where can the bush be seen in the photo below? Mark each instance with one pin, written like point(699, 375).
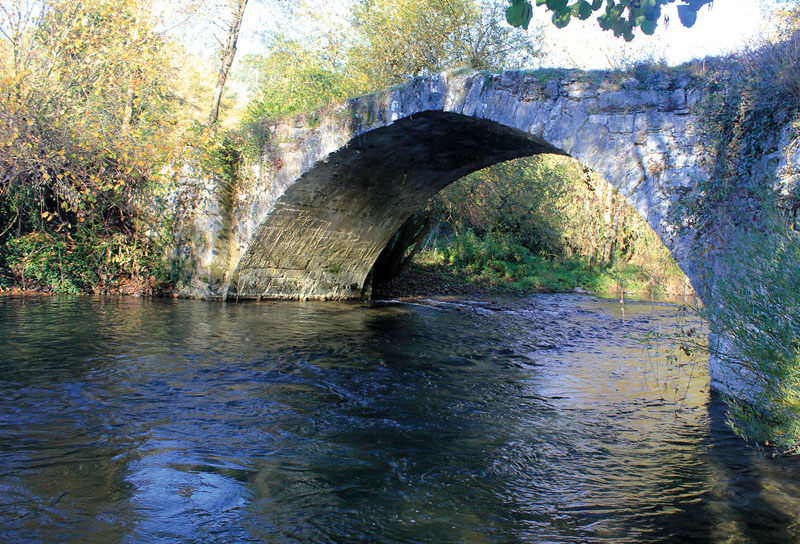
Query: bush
point(40, 261)
point(500, 261)
point(757, 313)
point(774, 68)
point(87, 123)
point(70, 264)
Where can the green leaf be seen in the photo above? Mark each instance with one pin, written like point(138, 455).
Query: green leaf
point(519, 14)
point(687, 15)
point(596, 4)
point(527, 15)
point(648, 27)
point(651, 9)
point(582, 10)
point(620, 26)
point(557, 5)
point(628, 34)
point(561, 19)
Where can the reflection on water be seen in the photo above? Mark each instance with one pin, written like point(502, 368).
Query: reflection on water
point(535, 419)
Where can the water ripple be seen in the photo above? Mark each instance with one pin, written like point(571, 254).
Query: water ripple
point(497, 419)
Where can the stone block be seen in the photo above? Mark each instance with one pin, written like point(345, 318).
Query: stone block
point(551, 89)
point(621, 123)
point(678, 99)
point(598, 119)
point(509, 79)
point(625, 101)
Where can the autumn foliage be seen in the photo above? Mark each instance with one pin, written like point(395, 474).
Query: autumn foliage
point(85, 124)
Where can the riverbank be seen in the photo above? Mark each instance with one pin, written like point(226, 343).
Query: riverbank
point(425, 277)
point(135, 287)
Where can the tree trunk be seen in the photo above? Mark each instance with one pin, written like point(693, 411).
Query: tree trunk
point(228, 53)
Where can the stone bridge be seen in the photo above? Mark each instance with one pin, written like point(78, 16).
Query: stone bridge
point(332, 187)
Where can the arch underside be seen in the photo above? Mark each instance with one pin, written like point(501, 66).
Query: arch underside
point(328, 228)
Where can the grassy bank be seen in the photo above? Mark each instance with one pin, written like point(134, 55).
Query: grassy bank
point(467, 263)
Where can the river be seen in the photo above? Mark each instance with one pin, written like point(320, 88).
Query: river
point(494, 419)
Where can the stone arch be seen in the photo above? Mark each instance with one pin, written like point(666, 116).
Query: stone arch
point(326, 231)
point(337, 184)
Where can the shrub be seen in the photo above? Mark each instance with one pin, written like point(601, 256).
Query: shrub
point(67, 263)
point(775, 68)
point(757, 313)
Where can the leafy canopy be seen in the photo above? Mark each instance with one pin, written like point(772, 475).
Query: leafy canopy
point(395, 39)
point(386, 42)
point(295, 77)
point(86, 123)
point(620, 16)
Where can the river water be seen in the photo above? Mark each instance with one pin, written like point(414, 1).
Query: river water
point(529, 419)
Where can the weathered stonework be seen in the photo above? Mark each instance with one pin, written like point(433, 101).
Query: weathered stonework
point(333, 186)
point(788, 165)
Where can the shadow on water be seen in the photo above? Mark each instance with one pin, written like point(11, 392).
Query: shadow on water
point(754, 497)
point(490, 420)
point(743, 496)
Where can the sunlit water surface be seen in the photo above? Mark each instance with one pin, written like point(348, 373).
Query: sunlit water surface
point(533, 419)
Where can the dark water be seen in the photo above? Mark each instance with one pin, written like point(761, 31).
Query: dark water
point(535, 419)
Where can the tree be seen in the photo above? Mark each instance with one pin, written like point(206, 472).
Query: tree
point(401, 38)
point(388, 41)
point(294, 77)
point(86, 119)
point(489, 44)
point(620, 16)
point(788, 18)
point(227, 54)
point(17, 17)
point(88, 96)
point(195, 21)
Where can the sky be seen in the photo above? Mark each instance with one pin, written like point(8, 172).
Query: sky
point(724, 26)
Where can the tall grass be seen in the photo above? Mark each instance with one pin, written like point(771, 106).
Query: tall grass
point(775, 68)
point(756, 313)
